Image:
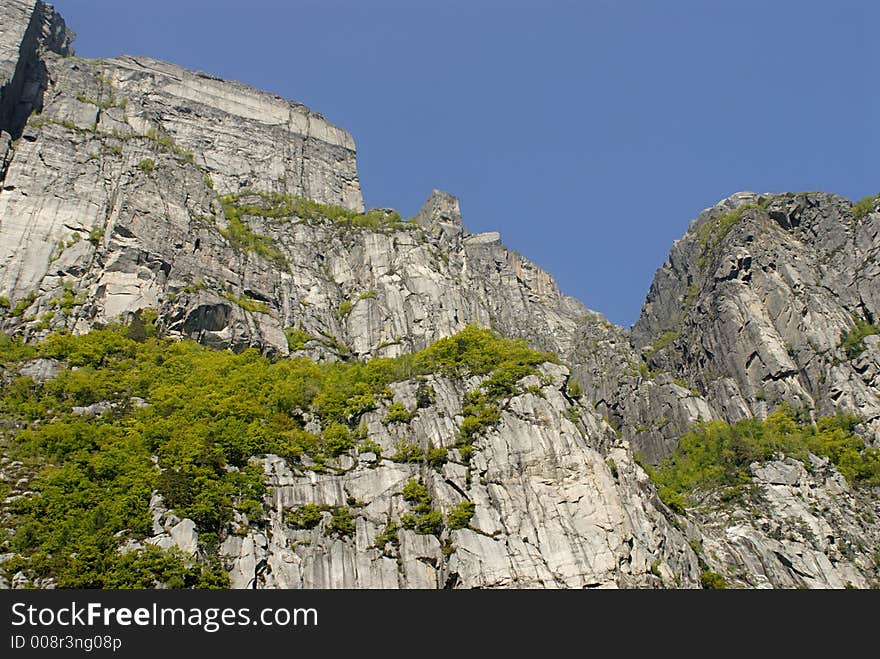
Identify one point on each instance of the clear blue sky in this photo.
(588, 133)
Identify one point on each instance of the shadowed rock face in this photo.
(28, 30)
(131, 183)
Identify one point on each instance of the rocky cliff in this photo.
(131, 184)
(755, 302)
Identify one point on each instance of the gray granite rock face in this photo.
(758, 316)
(139, 153)
(28, 30)
(800, 529)
(650, 407)
(115, 178)
(559, 503)
(114, 191)
(93, 127)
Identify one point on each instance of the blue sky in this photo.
(588, 133)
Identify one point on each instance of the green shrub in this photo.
(341, 523)
(681, 382)
(425, 520)
(479, 414)
(370, 446)
(209, 412)
(194, 287)
(69, 300)
(338, 439)
(344, 404)
(711, 232)
(307, 516)
(716, 455)
(436, 456)
(425, 396)
(150, 319)
(147, 165)
(712, 580)
(297, 338)
(664, 341)
(477, 351)
(460, 515)
(176, 488)
(247, 303)
(243, 238)
(13, 349)
(96, 234)
(865, 205)
(417, 494)
(408, 452)
(853, 341)
(342, 350)
(140, 569)
(574, 389)
(23, 304)
(612, 467)
(397, 414)
(429, 523)
(279, 206)
(388, 536)
(345, 308)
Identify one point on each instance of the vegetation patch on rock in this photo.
(186, 421)
(716, 455)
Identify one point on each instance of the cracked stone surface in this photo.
(550, 510)
(759, 318)
(112, 177)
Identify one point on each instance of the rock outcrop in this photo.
(130, 184)
(29, 30)
(800, 529)
(558, 501)
(754, 304)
